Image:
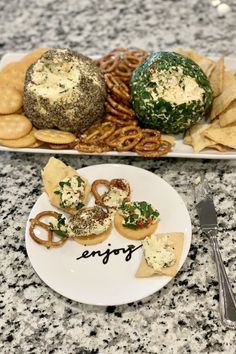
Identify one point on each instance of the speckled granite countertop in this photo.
(183, 317)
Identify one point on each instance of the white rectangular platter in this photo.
(180, 150)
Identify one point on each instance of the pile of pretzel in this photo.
(119, 129)
(117, 67)
(107, 136)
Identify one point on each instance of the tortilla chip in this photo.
(215, 124)
(225, 136)
(187, 138)
(52, 174)
(199, 141)
(228, 117)
(229, 78)
(222, 101)
(218, 147)
(217, 77)
(207, 65)
(144, 270)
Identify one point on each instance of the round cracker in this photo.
(55, 136)
(14, 126)
(59, 146)
(13, 74)
(36, 144)
(131, 234)
(25, 141)
(11, 99)
(93, 239)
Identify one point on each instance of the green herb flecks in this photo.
(61, 222)
(80, 181)
(137, 215)
(63, 183)
(69, 193)
(79, 205)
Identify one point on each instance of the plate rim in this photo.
(137, 298)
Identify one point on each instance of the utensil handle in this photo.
(226, 295)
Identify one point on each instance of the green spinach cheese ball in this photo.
(169, 92)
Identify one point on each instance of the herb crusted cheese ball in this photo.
(169, 92)
(64, 89)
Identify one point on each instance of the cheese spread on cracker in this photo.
(65, 188)
(89, 221)
(158, 252)
(71, 192)
(115, 196)
(137, 215)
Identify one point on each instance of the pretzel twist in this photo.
(148, 150)
(92, 148)
(98, 132)
(125, 139)
(36, 222)
(116, 182)
(119, 121)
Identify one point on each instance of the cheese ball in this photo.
(169, 92)
(64, 89)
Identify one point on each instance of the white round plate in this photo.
(89, 280)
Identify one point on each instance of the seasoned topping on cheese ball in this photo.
(64, 89)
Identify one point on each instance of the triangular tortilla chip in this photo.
(215, 124)
(218, 147)
(229, 78)
(52, 174)
(199, 141)
(217, 77)
(222, 101)
(144, 270)
(187, 138)
(229, 116)
(207, 65)
(225, 136)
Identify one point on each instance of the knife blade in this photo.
(208, 223)
(207, 214)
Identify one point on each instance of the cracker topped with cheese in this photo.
(90, 225)
(66, 189)
(136, 220)
(118, 191)
(161, 254)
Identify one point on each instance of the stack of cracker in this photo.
(16, 130)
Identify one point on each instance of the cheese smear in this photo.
(174, 86)
(58, 79)
(55, 80)
(86, 223)
(138, 214)
(115, 197)
(158, 252)
(71, 191)
(54, 224)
